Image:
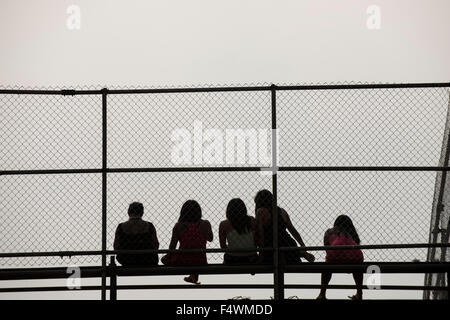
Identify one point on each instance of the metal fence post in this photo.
(113, 279)
(278, 275)
(104, 188)
(435, 229)
(448, 284)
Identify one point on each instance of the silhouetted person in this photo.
(238, 232)
(343, 233)
(192, 233)
(264, 214)
(136, 234)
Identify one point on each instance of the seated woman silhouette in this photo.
(342, 233)
(136, 234)
(263, 206)
(238, 232)
(192, 233)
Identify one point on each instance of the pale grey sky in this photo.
(222, 42)
(177, 43)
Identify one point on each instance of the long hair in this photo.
(190, 212)
(237, 215)
(344, 225)
(264, 199)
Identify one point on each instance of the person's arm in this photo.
(326, 237)
(154, 237)
(291, 228)
(205, 228)
(223, 235)
(259, 228)
(174, 239)
(117, 239)
(254, 230)
(166, 259)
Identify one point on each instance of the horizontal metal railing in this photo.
(219, 250)
(72, 92)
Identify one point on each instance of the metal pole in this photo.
(445, 232)
(448, 284)
(278, 276)
(435, 230)
(113, 280)
(104, 188)
(440, 206)
(229, 89)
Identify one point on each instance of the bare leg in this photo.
(325, 279)
(308, 256)
(359, 285)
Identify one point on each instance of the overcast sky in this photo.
(222, 42)
(183, 43)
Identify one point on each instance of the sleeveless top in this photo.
(350, 255)
(192, 239)
(284, 240)
(240, 241)
(137, 241)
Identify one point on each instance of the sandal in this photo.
(190, 280)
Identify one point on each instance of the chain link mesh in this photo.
(440, 222)
(50, 213)
(385, 207)
(366, 127)
(50, 132)
(142, 126)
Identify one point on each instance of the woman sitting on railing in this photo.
(264, 222)
(343, 233)
(192, 233)
(136, 234)
(238, 232)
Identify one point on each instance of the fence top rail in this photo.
(223, 169)
(72, 92)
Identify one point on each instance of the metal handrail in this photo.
(219, 250)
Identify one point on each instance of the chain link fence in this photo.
(149, 135)
(440, 222)
(367, 127)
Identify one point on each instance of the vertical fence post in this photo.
(113, 280)
(435, 229)
(445, 232)
(104, 188)
(448, 284)
(278, 275)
